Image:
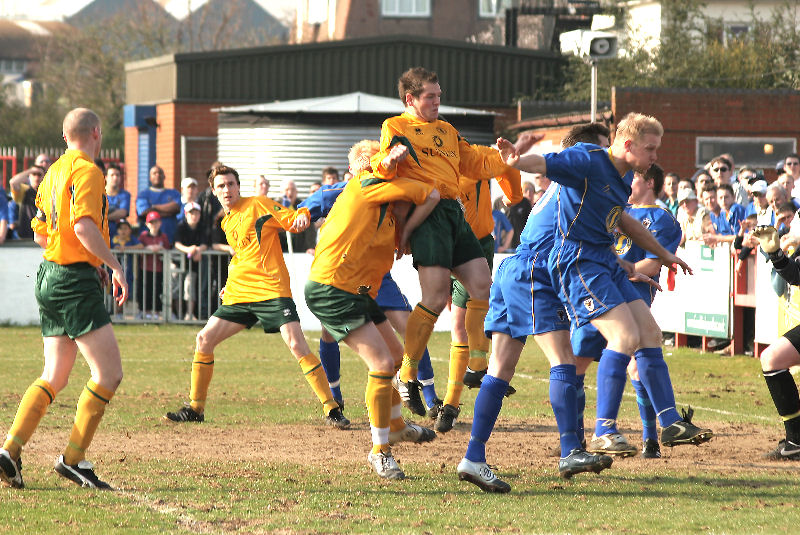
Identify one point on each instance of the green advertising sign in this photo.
(706, 324)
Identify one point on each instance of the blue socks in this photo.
(563, 399)
(487, 407)
(654, 375)
(611, 378)
(425, 377)
(330, 358)
(581, 405)
(646, 412)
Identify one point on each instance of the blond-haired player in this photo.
(257, 291)
(71, 225)
(355, 249)
(592, 286)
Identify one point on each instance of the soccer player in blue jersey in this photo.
(522, 303)
(592, 286)
(588, 343)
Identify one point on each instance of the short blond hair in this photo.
(360, 154)
(79, 123)
(635, 125)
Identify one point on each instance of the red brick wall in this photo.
(177, 119)
(687, 114)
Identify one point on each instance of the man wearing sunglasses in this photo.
(791, 166)
(721, 170)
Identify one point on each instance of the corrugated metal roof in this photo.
(356, 102)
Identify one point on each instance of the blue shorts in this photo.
(522, 300)
(390, 297)
(587, 342)
(589, 280)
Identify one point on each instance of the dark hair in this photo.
(111, 166)
(726, 187)
(412, 81)
(123, 222)
(787, 207)
(792, 155)
(710, 187)
(656, 174)
(101, 164)
(723, 160)
(221, 170)
(585, 133)
(330, 171)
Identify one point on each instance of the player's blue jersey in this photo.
(665, 229)
(594, 194)
(540, 228)
(321, 201)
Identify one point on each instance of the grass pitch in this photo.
(263, 462)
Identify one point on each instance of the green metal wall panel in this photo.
(471, 75)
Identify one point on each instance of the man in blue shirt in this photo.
(588, 343)
(119, 200)
(592, 285)
(157, 198)
(521, 286)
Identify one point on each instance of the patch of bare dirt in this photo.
(515, 444)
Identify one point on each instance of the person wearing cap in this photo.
(690, 216)
(165, 201)
(152, 286)
(191, 239)
(760, 206)
(189, 192)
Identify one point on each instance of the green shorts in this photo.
(445, 238)
(71, 301)
(341, 312)
(272, 313)
(458, 292)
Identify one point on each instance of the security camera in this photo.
(588, 44)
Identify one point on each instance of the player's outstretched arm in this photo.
(770, 243)
(645, 239)
(530, 163)
(90, 237)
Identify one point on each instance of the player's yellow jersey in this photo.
(73, 188)
(257, 271)
(438, 155)
(356, 243)
(476, 196)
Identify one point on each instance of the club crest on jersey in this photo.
(589, 304)
(287, 312)
(646, 222)
(622, 243)
(418, 131)
(612, 219)
(437, 141)
(562, 315)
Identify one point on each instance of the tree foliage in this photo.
(697, 51)
(86, 65)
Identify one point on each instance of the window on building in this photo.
(406, 8)
(493, 8)
(757, 152)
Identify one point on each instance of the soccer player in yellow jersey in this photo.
(443, 243)
(257, 291)
(71, 225)
(355, 249)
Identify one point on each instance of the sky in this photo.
(58, 9)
